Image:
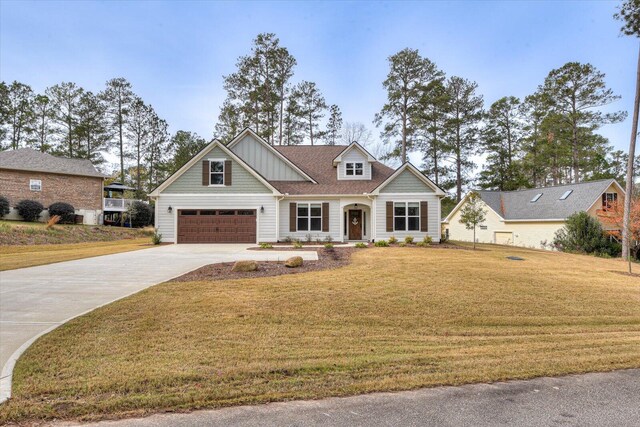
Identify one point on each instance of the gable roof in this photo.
(28, 159)
(195, 159)
(410, 167)
(352, 146)
(317, 162)
(517, 205)
(249, 131)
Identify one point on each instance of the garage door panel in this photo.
(217, 226)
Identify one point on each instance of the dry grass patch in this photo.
(12, 257)
(394, 319)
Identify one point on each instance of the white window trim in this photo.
(308, 217)
(37, 182)
(354, 168)
(223, 170)
(406, 216)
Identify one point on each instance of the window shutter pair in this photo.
(293, 217)
(206, 171)
(424, 216)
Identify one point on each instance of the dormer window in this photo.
(354, 169)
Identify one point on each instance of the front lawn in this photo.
(394, 319)
(12, 257)
(35, 233)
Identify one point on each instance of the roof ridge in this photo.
(543, 188)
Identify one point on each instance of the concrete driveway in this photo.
(36, 300)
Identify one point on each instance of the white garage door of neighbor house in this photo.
(504, 238)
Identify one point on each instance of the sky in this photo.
(176, 53)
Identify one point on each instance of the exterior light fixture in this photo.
(261, 209)
(169, 209)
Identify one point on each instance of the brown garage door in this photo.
(216, 226)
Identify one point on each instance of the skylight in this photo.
(566, 194)
(535, 199)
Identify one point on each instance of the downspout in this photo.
(373, 217)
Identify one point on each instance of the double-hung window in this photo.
(216, 172)
(609, 199)
(354, 169)
(35, 185)
(406, 216)
(309, 216)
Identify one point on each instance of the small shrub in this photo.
(29, 210)
(65, 211)
(402, 244)
(52, 221)
(265, 245)
(427, 240)
(361, 245)
(288, 239)
(393, 240)
(308, 238)
(5, 208)
(408, 240)
(328, 245)
(5, 228)
(444, 238)
(381, 243)
(422, 244)
(328, 239)
(156, 237)
(140, 214)
(297, 244)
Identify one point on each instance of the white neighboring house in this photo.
(530, 218)
(250, 191)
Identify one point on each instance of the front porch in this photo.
(356, 221)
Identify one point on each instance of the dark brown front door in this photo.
(216, 226)
(355, 225)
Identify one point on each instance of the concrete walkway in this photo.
(605, 399)
(36, 300)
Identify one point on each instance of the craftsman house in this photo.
(250, 191)
(530, 218)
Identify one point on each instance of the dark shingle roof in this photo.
(27, 159)
(517, 205)
(317, 162)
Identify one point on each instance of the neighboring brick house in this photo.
(29, 174)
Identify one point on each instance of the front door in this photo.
(355, 225)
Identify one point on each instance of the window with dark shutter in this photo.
(292, 217)
(205, 172)
(325, 217)
(227, 172)
(390, 216)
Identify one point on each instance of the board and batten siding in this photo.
(352, 156)
(242, 180)
(265, 161)
(166, 222)
(334, 220)
(433, 215)
(406, 182)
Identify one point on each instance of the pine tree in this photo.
(65, 100)
(92, 131)
(463, 124)
(118, 97)
(409, 74)
(533, 111)
(42, 125)
(138, 128)
(17, 113)
(575, 91)
(334, 126)
(311, 106)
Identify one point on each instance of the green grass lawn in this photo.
(395, 319)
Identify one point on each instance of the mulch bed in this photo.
(327, 259)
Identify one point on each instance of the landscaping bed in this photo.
(34, 233)
(327, 259)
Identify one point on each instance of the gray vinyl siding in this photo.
(352, 156)
(433, 216)
(265, 161)
(406, 182)
(242, 181)
(334, 220)
(165, 221)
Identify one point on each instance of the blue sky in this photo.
(175, 53)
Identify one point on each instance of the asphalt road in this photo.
(599, 399)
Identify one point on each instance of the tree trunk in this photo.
(626, 238)
(281, 113)
(311, 128)
(474, 237)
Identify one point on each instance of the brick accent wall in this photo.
(83, 192)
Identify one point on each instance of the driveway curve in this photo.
(36, 300)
